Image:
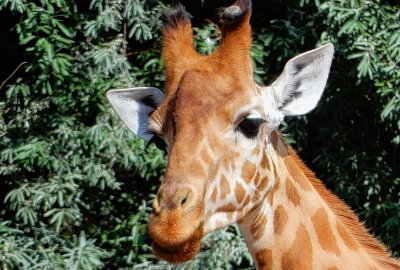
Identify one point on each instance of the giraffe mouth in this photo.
(181, 252)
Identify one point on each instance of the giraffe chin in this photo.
(181, 252)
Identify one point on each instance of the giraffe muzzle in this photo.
(176, 224)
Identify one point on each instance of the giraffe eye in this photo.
(250, 127)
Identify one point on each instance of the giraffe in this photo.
(228, 164)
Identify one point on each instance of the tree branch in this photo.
(12, 74)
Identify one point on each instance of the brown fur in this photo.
(291, 193)
(280, 219)
(178, 45)
(180, 252)
(377, 251)
(324, 232)
(231, 57)
(248, 171)
(300, 254)
(227, 208)
(239, 193)
(263, 183)
(346, 237)
(265, 163)
(275, 188)
(225, 187)
(264, 259)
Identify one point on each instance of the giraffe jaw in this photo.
(181, 252)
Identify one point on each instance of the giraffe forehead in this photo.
(205, 95)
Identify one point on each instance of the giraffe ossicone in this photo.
(227, 163)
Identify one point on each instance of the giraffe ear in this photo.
(134, 106)
(300, 86)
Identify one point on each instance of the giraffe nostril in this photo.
(184, 200)
(173, 198)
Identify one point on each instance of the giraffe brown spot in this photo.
(282, 148)
(214, 195)
(291, 192)
(239, 193)
(263, 184)
(258, 227)
(280, 219)
(204, 156)
(271, 195)
(227, 208)
(324, 232)
(274, 139)
(332, 268)
(346, 237)
(300, 255)
(265, 163)
(225, 188)
(248, 171)
(264, 259)
(255, 197)
(304, 183)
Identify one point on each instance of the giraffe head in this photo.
(217, 125)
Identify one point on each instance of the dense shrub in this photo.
(75, 183)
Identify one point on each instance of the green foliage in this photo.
(65, 159)
(372, 31)
(76, 184)
(370, 34)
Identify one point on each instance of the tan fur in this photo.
(299, 255)
(248, 171)
(291, 193)
(225, 188)
(239, 193)
(324, 232)
(264, 259)
(280, 220)
(211, 175)
(348, 218)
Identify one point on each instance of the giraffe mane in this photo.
(344, 213)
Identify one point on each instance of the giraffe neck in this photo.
(295, 228)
